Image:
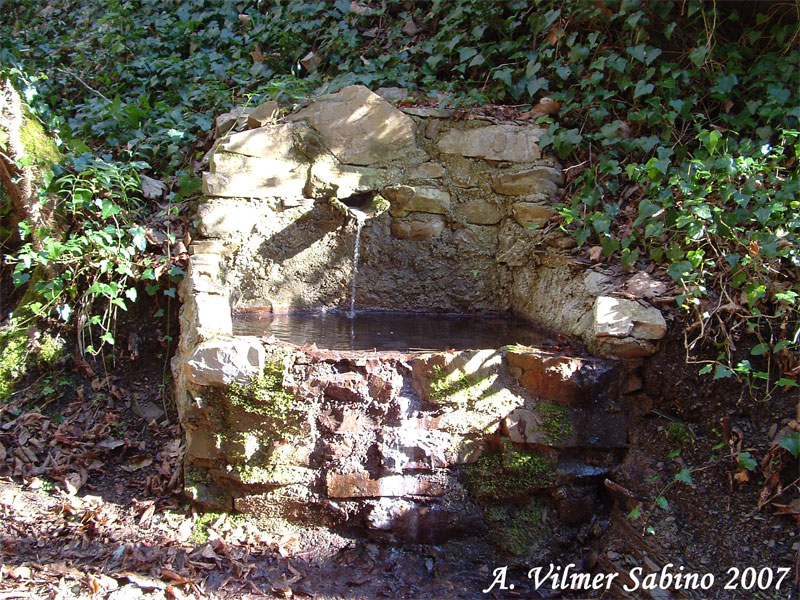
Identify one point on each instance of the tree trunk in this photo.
(21, 135)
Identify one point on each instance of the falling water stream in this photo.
(360, 217)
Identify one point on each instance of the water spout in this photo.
(360, 217)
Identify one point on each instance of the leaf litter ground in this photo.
(92, 506)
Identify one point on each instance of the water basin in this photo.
(390, 331)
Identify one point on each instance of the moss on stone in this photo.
(270, 474)
(38, 145)
(555, 422)
(13, 359)
(455, 387)
(515, 529)
(200, 530)
(509, 474)
(265, 396)
(50, 350)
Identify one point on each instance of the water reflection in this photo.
(333, 330)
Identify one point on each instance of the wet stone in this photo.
(362, 485)
(564, 379)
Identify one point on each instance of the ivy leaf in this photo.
(108, 208)
(745, 461)
(643, 89)
(698, 55)
(503, 75)
(635, 513)
(536, 84)
(662, 502)
(139, 238)
(684, 475)
(679, 270)
(722, 372)
(466, 53)
(759, 349)
(778, 93)
(725, 83)
(791, 443)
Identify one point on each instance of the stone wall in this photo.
(459, 218)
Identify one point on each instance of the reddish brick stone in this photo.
(361, 485)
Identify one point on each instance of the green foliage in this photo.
(745, 461)
(94, 266)
(678, 119)
(680, 434)
(791, 443)
(204, 521)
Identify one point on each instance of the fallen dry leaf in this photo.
(595, 253)
(138, 462)
(546, 106)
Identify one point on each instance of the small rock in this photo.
(480, 212)
(619, 318)
(405, 199)
(392, 94)
(531, 214)
(417, 230)
(311, 61)
(262, 114)
(410, 28)
(643, 285)
(227, 121)
(541, 180)
(428, 170)
(147, 410)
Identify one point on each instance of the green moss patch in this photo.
(515, 529)
(265, 397)
(555, 422)
(509, 474)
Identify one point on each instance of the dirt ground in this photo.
(90, 494)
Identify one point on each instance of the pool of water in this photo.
(390, 331)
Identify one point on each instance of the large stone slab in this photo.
(359, 127)
(561, 426)
(540, 180)
(405, 199)
(222, 361)
(620, 318)
(237, 175)
(272, 141)
(362, 485)
(512, 143)
(218, 219)
(564, 379)
(331, 178)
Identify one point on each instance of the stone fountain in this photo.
(458, 217)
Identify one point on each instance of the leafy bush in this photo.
(92, 268)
